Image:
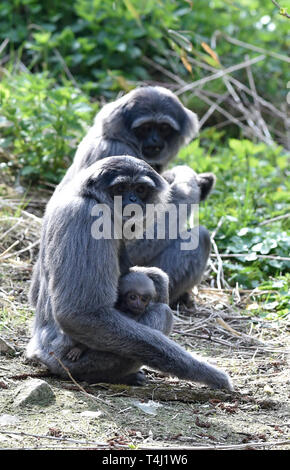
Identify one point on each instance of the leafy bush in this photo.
(41, 124)
(252, 186)
(103, 42)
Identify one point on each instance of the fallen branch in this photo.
(82, 390)
(64, 439)
(247, 130)
(233, 255)
(241, 86)
(32, 245)
(9, 249)
(274, 219)
(257, 110)
(249, 445)
(246, 45)
(234, 332)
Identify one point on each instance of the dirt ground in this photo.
(167, 413)
(177, 414)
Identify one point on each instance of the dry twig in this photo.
(249, 445)
(219, 74)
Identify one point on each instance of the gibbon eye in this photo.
(132, 297)
(165, 129)
(141, 190)
(145, 127)
(144, 299)
(143, 130)
(118, 189)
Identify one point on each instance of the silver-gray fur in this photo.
(151, 282)
(184, 268)
(141, 281)
(114, 129)
(114, 133)
(78, 288)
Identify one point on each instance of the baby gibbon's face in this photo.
(137, 302)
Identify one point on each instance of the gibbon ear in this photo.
(206, 182)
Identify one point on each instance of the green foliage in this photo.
(41, 124)
(103, 42)
(252, 186)
(78, 49)
(276, 300)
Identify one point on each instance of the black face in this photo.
(137, 303)
(153, 137)
(135, 193)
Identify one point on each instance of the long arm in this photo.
(159, 317)
(107, 330)
(86, 313)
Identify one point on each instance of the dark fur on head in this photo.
(138, 282)
(93, 182)
(97, 177)
(206, 182)
(113, 129)
(136, 293)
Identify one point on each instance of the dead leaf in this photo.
(210, 52)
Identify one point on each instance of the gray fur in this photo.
(78, 289)
(158, 314)
(138, 283)
(112, 131)
(112, 134)
(152, 282)
(184, 268)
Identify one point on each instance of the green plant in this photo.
(252, 186)
(103, 42)
(42, 124)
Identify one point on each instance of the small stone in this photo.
(6, 348)
(92, 414)
(268, 390)
(34, 391)
(6, 419)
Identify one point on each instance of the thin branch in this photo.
(163, 70)
(246, 45)
(240, 85)
(220, 222)
(257, 108)
(82, 390)
(249, 445)
(233, 255)
(274, 219)
(9, 249)
(282, 10)
(32, 245)
(247, 130)
(10, 229)
(212, 109)
(220, 274)
(63, 439)
(3, 45)
(247, 113)
(247, 90)
(66, 69)
(219, 74)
